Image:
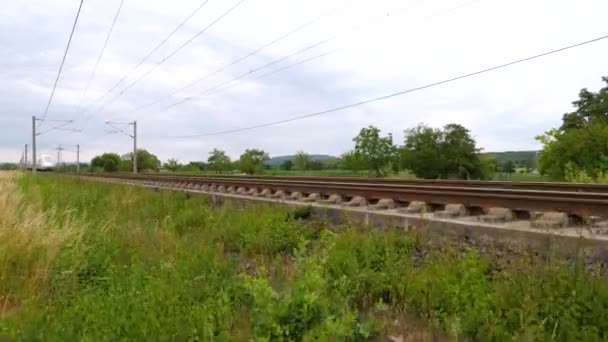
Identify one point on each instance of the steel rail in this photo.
(571, 202)
(337, 182)
(546, 186)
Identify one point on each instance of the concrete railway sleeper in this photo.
(542, 208)
(555, 186)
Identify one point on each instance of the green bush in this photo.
(92, 261)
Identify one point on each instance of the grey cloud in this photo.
(504, 110)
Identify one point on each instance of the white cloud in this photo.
(417, 43)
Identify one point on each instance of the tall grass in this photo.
(92, 261)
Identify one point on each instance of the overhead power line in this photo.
(220, 89)
(62, 62)
(143, 60)
(58, 127)
(272, 72)
(181, 46)
(272, 123)
(189, 98)
(147, 56)
(317, 44)
(226, 66)
(174, 52)
(103, 49)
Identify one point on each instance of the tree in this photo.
(146, 161)
(218, 161)
(450, 152)
(488, 166)
(315, 165)
(287, 165)
(581, 143)
(9, 166)
(508, 167)
(331, 163)
(252, 161)
(582, 149)
(301, 161)
(590, 107)
(352, 160)
(421, 152)
(172, 165)
(108, 162)
(378, 152)
(460, 153)
(194, 166)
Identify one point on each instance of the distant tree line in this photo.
(9, 166)
(112, 162)
(449, 152)
(578, 150)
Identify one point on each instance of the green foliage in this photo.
(218, 161)
(9, 166)
(173, 165)
(487, 166)
(378, 152)
(287, 165)
(108, 162)
(525, 159)
(301, 161)
(109, 262)
(580, 143)
(301, 213)
(252, 161)
(278, 160)
(146, 161)
(508, 167)
(353, 160)
(442, 153)
(573, 174)
(585, 149)
(589, 108)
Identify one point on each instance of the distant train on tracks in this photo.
(44, 163)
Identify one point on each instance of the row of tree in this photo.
(579, 146)
(112, 162)
(449, 152)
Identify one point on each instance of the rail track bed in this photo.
(545, 204)
(490, 230)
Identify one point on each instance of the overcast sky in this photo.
(375, 48)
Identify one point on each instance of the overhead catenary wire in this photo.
(307, 60)
(174, 52)
(182, 46)
(317, 44)
(117, 129)
(46, 110)
(149, 54)
(189, 98)
(103, 49)
(234, 62)
(301, 117)
(58, 127)
(272, 72)
(146, 57)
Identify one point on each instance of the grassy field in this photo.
(95, 262)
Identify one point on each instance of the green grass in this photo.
(92, 261)
(520, 177)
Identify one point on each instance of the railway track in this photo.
(576, 200)
(555, 186)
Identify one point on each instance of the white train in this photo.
(45, 163)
